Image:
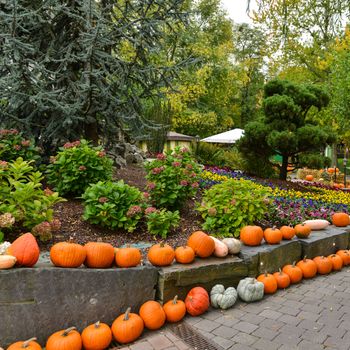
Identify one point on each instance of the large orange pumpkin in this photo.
(66, 254)
(128, 257)
(175, 310)
(29, 344)
(324, 265)
(99, 255)
(340, 219)
(308, 267)
(184, 255)
(337, 262)
(282, 279)
(309, 177)
(197, 301)
(273, 235)
(25, 249)
(251, 235)
(294, 272)
(97, 336)
(65, 339)
(127, 327)
(161, 255)
(201, 243)
(345, 255)
(302, 230)
(152, 314)
(270, 283)
(288, 232)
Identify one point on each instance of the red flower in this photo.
(82, 168)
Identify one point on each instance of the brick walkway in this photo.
(312, 315)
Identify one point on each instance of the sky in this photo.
(237, 9)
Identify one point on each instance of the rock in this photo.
(39, 301)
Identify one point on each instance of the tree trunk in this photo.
(283, 169)
(91, 132)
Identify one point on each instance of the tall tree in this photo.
(80, 68)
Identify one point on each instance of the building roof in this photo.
(175, 136)
(230, 136)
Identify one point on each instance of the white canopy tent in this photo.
(230, 136)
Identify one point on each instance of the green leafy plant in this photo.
(160, 222)
(172, 178)
(23, 202)
(13, 145)
(228, 206)
(113, 205)
(76, 166)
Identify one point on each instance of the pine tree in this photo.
(81, 68)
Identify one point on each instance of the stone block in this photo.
(39, 301)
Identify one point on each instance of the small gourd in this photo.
(234, 245)
(249, 289)
(317, 224)
(7, 261)
(221, 298)
(221, 249)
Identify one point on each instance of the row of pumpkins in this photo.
(24, 251)
(129, 326)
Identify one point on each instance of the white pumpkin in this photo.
(221, 298)
(249, 289)
(7, 261)
(221, 249)
(234, 245)
(3, 247)
(317, 224)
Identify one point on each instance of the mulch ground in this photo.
(70, 213)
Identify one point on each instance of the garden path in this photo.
(314, 314)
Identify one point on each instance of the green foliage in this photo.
(314, 161)
(160, 222)
(172, 178)
(22, 196)
(13, 145)
(285, 129)
(76, 166)
(112, 205)
(229, 206)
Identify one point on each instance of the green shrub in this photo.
(160, 222)
(172, 178)
(22, 200)
(314, 161)
(228, 206)
(76, 166)
(13, 145)
(113, 205)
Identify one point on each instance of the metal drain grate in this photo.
(192, 337)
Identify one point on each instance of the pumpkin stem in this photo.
(175, 300)
(126, 315)
(66, 332)
(293, 263)
(161, 244)
(71, 239)
(97, 324)
(280, 271)
(274, 227)
(304, 258)
(26, 343)
(99, 239)
(265, 273)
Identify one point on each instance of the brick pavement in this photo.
(314, 314)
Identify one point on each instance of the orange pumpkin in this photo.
(152, 314)
(99, 255)
(128, 257)
(197, 301)
(29, 344)
(309, 177)
(97, 336)
(184, 255)
(161, 255)
(251, 235)
(65, 339)
(294, 272)
(340, 219)
(282, 279)
(332, 170)
(337, 262)
(308, 267)
(66, 254)
(201, 243)
(324, 265)
(345, 255)
(302, 230)
(127, 327)
(288, 232)
(273, 235)
(25, 249)
(175, 310)
(270, 283)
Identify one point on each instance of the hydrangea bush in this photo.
(160, 222)
(76, 166)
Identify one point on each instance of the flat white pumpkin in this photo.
(317, 224)
(222, 298)
(3, 247)
(249, 289)
(234, 245)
